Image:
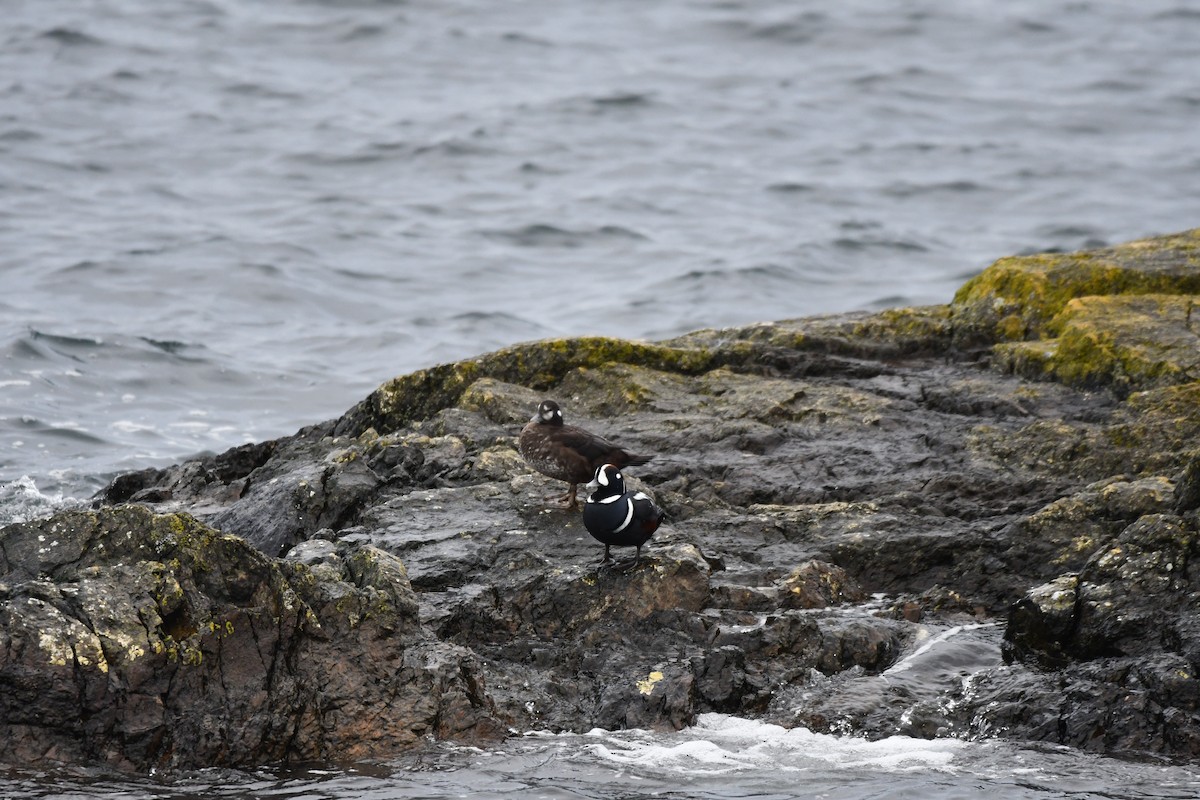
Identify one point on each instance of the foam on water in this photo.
(20, 501)
(719, 744)
(722, 757)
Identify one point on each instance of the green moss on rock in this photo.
(1016, 297)
(537, 365)
(1126, 342)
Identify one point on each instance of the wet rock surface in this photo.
(142, 641)
(876, 524)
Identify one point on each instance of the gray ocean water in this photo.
(221, 220)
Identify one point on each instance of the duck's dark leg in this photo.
(637, 559)
(607, 556)
(568, 499)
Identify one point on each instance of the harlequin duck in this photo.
(615, 516)
(568, 453)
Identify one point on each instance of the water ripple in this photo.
(71, 37)
(544, 235)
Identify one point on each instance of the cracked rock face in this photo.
(854, 505)
(153, 641)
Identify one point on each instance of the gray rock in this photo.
(147, 641)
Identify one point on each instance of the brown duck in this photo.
(567, 453)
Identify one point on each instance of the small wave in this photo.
(544, 235)
(1035, 26)
(258, 90)
(520, 37)
(904, 190)
(489, 317)
(71, 37)
(371, 277)
(365, 31)
(738, 274)
(799, 29)
(891, 301)
(904, 78)
(1116, 85)
(167, 346)
(87, 265)
(868, 243)
(1069, 231)
(19, 135)
(790, 187)
(719, 744)
(20, 501)
(510, 325)
(63, 340)
(70, 431)
(386, 148)
(791, 32)
(606, 103)
(534, 168)
(473, 324)
(453, 147)
(1180, 13)
(128, 426)
(39, 346)
(623, 99)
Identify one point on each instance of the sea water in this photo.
(719, 758)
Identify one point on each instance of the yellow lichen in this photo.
(647, 686)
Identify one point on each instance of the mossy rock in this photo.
(500, 402)
(148, 641)
(536, 365)
(1016, 297)
(496, 382)
(615, 389)
(894, 331)
(1152, 433)
(1126, 342)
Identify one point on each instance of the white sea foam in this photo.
(719, 744)
(21, 501)
(195, 428)
(129, 426)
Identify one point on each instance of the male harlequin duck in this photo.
(615, 516)
(568, 453)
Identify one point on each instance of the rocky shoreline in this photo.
(842, 493)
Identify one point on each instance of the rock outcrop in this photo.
(973, 519)
(143, 641)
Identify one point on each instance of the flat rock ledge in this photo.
(969, 520)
